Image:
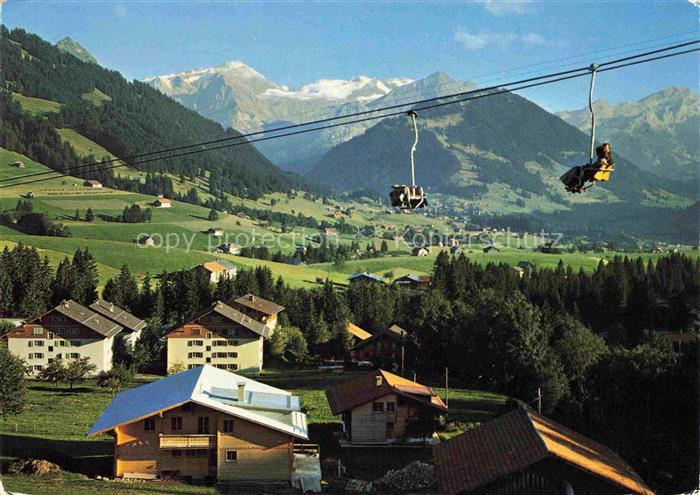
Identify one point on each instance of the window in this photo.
(190, 453)
(233, 342)
(176, 423)
(231, 456)
(377, 407)
(149, 424)
(202, 453)
(195, 343)
(177, 453)
(219, 343)
(37, 367)
(233, 367)
(233, 354)
(190, 366)
(194, 355)
(228, 426)
(203, 425)
(39, 343)
(36, 355)
(58, 356)
(208, 360)
(50, 335)
(197, 331)
(391, 407)
(37, 331)
(73, 355)
(208, 335)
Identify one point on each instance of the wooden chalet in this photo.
(131, 325)
(207, 422)
(162, 202)
(383, 349)
(218, 335)
(414, 281)
(68, 331)
(522, 452)
(259, 309)
(379, 407)
(94, 184)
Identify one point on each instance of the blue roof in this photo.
(210, 387)
(146, 399)
(365, 275)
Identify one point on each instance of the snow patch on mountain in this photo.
(336, 89)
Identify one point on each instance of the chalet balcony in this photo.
(187, 441)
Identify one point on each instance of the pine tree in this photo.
(213, 216)
(65, 283)
(89, 215)
(76, 216)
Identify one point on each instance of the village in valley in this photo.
(212, 283)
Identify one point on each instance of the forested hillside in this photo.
(126, 118)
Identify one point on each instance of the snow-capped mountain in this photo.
(237, 95)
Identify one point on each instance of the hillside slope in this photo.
(127, 118)
(659, 132)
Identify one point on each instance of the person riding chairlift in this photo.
(576, 178)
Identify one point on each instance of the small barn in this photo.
(215, 231)
(18, 164)
(364, 278)
(414, 281)
(146, 240)
(420, 251)
(523, 452)
(383, 349)
(162, 203)
(94, 184)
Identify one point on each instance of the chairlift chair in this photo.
(404, 196)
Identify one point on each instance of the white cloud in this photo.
(505, 7)
(120, 11)
(533, 39)
(477, 41)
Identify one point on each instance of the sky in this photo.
(293, 43)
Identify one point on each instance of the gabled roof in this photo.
(518, 439)
(218, 266)
(358, 332)
(394, 332)
(211, 387)
(368, 387)
(360, 275)
(84, 316)
(118, 315)
(259, 304)
(232, 314)
(419, 279)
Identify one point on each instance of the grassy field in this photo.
(36, 106)
(84, 146)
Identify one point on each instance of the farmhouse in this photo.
(414, 281)
(68, 331)
(380, 407)
(95, 184)
(259, 309)
(215, 231)
(217, 270)
(230, 248)
(162, 202)
(420, 251)
(383, 349)
(218, 335)
(523, 452)
(364, 278)
(18, 164)
(206, 422)
(131, 325)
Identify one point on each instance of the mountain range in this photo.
(659, 132)
(234, 94)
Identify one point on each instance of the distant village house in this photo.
(95, 184)
(217, 270)
(162, 202)
(259, 309)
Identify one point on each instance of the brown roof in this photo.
(230, 313)
(394, 332)
(259, 304)
(518, 439)
(118, 315)
(358, 332)
(348, 395)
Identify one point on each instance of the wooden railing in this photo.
(187, 441)
(307, 448)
